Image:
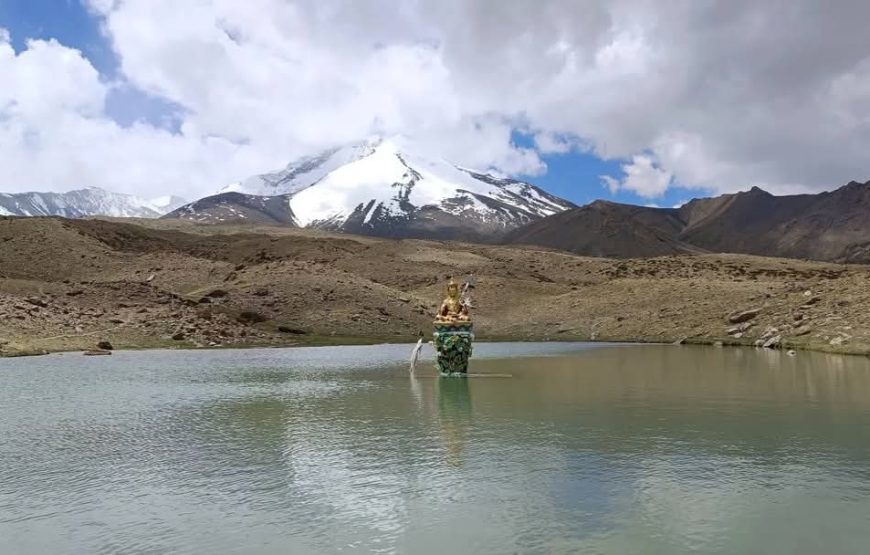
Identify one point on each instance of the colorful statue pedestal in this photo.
(454, 333)
(453, 347)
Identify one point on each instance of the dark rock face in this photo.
(237, 207)
(832, 226)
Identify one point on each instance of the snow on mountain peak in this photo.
(90, 201)
(305, 171)
(391, 178)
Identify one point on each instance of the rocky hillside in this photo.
(827, 226)
(175, 283)
(384, 188)
(238, 207)
(609, 229)
(832, 226)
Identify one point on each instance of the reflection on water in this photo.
(454, 416)
(652, 449)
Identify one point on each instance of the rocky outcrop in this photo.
(744, 316)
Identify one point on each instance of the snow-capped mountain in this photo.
(388, 187)
(86, 202)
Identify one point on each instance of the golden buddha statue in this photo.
(452, 310)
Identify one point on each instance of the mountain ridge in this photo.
(384, 187)
(829, 226)
(82, 203)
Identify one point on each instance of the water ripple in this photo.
(614, 450)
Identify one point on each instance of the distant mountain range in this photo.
(381, 187)
(85, 202)
(393, 188)
(832, 226)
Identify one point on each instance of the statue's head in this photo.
(452, 289)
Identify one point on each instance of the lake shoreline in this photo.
(42, 348)
(139, 287)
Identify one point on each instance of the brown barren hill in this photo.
(827, 226)
(608, 229)
(68, 284)
(831, 226)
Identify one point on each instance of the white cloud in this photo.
(642, 176)
(53, 135)
(47, 80)
(550, 143)
(721, 95)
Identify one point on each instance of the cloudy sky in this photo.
(637, 100)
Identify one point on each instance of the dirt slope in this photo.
(65, 284)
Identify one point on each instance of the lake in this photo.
(583, 449)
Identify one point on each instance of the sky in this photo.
(636, 101)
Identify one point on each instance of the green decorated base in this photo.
(453, 345)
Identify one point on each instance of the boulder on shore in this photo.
(739, 329)
(250, 317)
(744, 316)
(773, 342)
